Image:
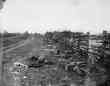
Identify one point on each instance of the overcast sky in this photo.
(50, 15)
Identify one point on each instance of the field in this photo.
(51, 62)
(29, 47)
(8, 42)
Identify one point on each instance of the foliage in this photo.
(74, 48)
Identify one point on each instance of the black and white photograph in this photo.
(54, 42)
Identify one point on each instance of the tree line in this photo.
(87, 61)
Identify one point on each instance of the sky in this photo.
(50, 15)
